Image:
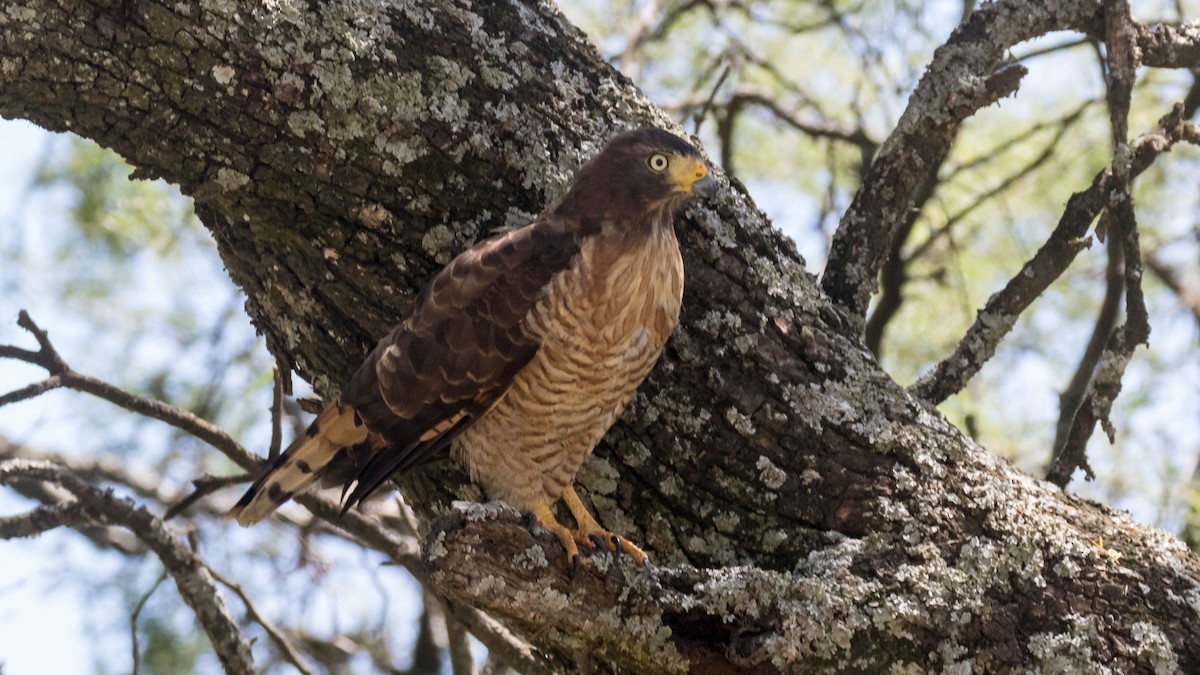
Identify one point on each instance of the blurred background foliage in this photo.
(793, 98)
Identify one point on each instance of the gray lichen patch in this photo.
(1154, 646)
(439, 242)
(770, 475)
(474, 511)
(598, 475)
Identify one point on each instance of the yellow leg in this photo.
(589, 530)
(545, 518)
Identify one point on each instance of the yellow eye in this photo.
(658, 163)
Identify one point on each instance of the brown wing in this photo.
(435, 374)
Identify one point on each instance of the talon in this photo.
(616, 544)
(574, 571)
(596, 540)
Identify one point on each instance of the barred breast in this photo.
(601, 326)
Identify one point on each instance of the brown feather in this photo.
(479, 325)
(302, 464)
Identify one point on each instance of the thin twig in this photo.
(276, 416)
(204, 486)
(29, 391)
(277, 636)
(1000, 313)
(191, 576)
(133, 619)
(48, 358)
(1170, 277)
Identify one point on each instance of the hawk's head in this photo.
(639, 176)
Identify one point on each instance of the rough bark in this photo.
(803, 511)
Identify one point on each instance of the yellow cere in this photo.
(687, 170)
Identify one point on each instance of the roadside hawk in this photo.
(521, 353)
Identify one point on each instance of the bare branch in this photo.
(133, 619)
(276, 415)
(49, 359)
(758, 96)
(42, 519)
(1122, 62)
(277, 636)
(32, 390)
(191, 576)
(404, 551)
(967, 73)
(1001, 311)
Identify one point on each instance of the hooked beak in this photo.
(706, 187)
(692, 177)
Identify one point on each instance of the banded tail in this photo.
(334, 437)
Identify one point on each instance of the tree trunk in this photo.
(802, 511)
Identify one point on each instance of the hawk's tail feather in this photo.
(338, 433)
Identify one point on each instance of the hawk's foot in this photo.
(545, 518)
(590, 535)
